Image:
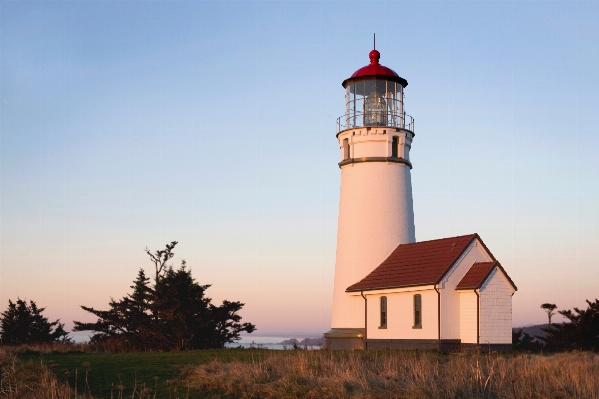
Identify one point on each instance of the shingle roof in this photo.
(420, 263)
(478, 274)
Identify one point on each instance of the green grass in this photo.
(105, 368)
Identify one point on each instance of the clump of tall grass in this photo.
(32, 380)
(394, 374)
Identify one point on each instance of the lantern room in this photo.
(374, 97)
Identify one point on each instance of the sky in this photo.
(131, 124)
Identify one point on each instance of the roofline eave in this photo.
(390, 287)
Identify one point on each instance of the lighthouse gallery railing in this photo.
(359, 113)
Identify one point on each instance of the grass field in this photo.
(108, 371)
(244, 373)
(404, 375)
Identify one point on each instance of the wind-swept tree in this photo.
(549, 308)
(159, 258)
(24, 323)
(172, 314)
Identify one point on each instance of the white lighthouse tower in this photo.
(375, 207)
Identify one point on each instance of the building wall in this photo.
(375, 216)
(375, 142)
(496, 310)
(468, 317)
(400, 315)
(450, 298)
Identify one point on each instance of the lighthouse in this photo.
(375, 207)
(391, 292)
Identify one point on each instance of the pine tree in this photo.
(129, 321)
(24, 323)
(173, 314)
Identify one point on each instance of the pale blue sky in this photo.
(132, 124)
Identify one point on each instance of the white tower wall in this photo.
(375, 211)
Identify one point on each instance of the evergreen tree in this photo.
(24, 323)
(581, 333)
(129, 321)
(173, 314)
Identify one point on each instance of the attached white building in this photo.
(446, 294)
(391, 291)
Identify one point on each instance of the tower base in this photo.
(353, 339)
(344, 339)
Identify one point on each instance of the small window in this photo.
(383, 312)
(345, 148)
(417, 311)
(395, 147)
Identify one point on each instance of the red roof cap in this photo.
(420, 263)
(374, 56)
(375, 69)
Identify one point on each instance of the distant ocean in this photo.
(80, 336)
(246, 341)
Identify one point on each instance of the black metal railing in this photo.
(375, 119)
(374, 111)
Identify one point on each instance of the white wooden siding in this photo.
(400, 315)
(468, 304)
(450, 298)
(496, 310)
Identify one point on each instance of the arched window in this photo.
(417, 311)
(383, 312)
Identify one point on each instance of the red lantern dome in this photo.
(374, 98)
(375, 71)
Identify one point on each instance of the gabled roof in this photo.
(479, 273)
(420, 263)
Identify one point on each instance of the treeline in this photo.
(170, 313)
(580, 332)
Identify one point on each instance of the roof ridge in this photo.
(437, 239)
(458, 256)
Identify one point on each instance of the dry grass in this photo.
(325, 374)
(31, 380)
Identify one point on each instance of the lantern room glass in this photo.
(374, 102)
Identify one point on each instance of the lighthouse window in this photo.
(417, 311)
(383, 312)
(345, 148)
(395, 147)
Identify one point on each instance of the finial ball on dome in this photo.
(375, 56)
